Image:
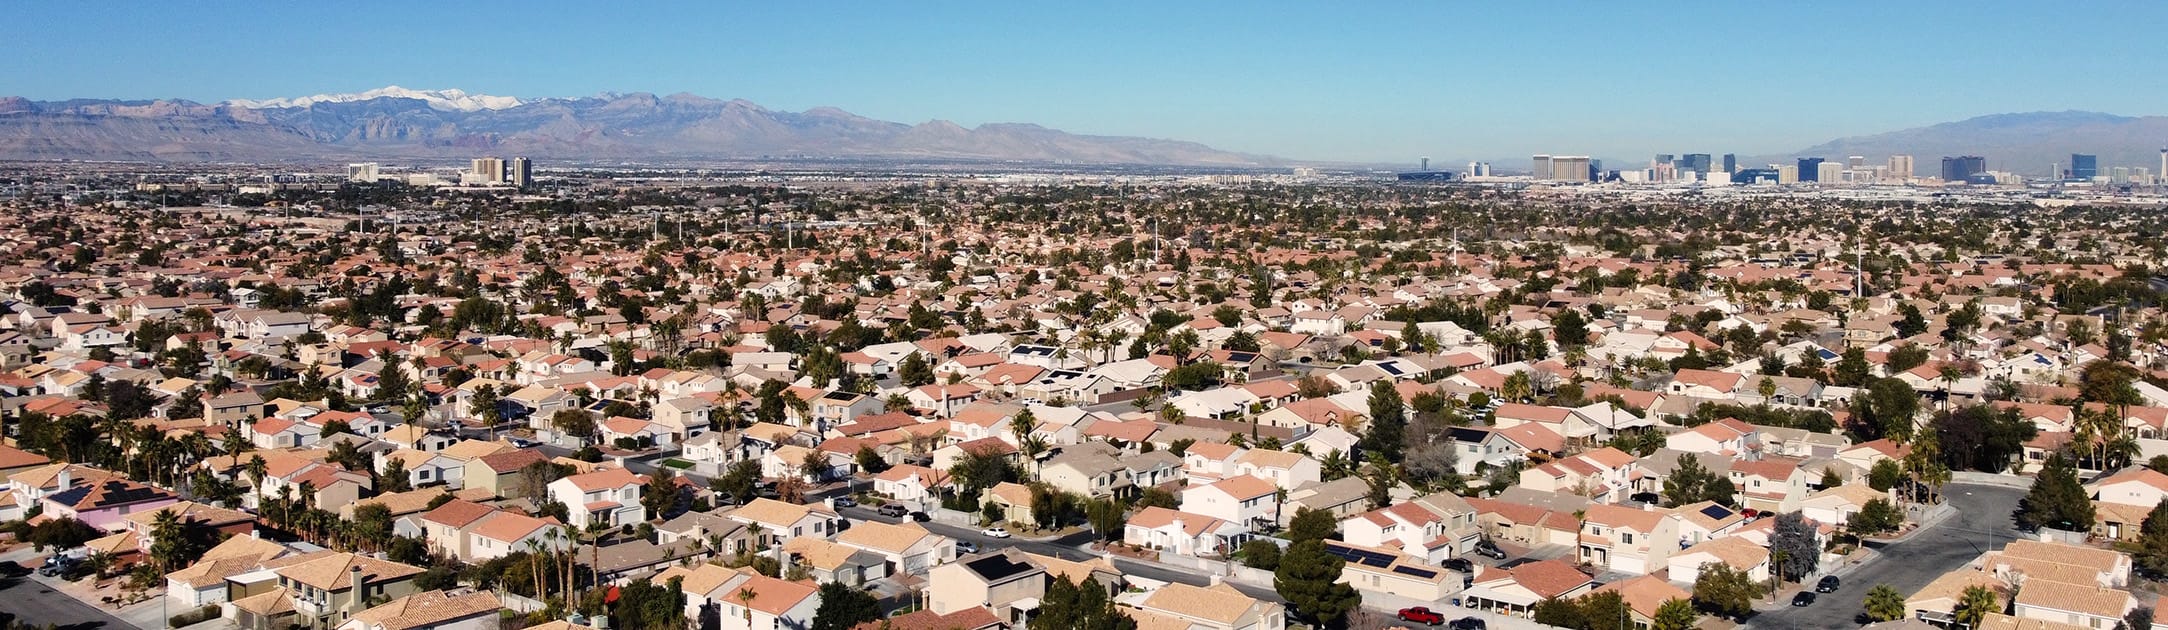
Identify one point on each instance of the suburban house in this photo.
(610, 496)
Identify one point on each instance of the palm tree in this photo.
(234, 444)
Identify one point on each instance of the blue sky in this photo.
(1323, 81)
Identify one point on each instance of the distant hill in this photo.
(2024, 143)
(394, 123)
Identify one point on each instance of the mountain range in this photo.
(2026, 143)
(398, 123)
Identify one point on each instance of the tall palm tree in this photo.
(234, 444)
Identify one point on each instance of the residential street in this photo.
(27, 600)
(1983, 515)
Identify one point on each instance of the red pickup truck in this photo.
(1421, 615)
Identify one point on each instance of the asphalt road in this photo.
(1982, 522)
(25, 600)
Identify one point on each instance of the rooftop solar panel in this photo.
(1716, 511)
(1421, 573)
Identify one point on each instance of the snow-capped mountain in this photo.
(446, 100)
(397, 123)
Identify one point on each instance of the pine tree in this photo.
(2152, 556)
(1308, 578)
(2056, 499)
(843, 607)
(1072, 606)
(1388, 422)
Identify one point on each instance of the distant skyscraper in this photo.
(1731, 163)
(1829, 173)
(2084, 166)
(1962, 168)
(1900, 166)
(365, 172)
(487, 170)
(1809, 168)
(1661, 158)
(1787, 173)
(1570, 168)
(1426, 164)
(519, 172)
(1696, 162)
(1541, 168)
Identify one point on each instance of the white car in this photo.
(994, 532)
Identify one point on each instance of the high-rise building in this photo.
(519, 172)
(1696, 162)
(2084, 166)
(1829, 173)
(1541, 168)
(1809, 168)
(365, 172)
(1731, 163)
(1570, 168)
(1961, 168)
(487, 170)
(1900, 166)
(1855, 162)
(1787, 173)
(1661, 158)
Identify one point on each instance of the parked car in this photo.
(844, 502)
(1804, 598)
(920, 517)
(1459, 564)
(1488, 550)
(57, 565)
(996, 531)
(1467, 623)
(965, 546)
(1828, 584)
(1421, 615)
(893, 509)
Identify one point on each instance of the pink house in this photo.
(105, 504)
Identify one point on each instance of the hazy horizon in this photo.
(1373, 83)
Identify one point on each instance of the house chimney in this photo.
(359, 584)
(66, 476)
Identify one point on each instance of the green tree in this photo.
(1877, 516)
(1885, 474)
(2056, 499)
(741, 481)
(660, 494)
(1975, 604)
(1884, 603)
(1309, 578)
(843, 607)
(1561, 613)
(1852, 369)
(870, 461)
(1312, 524)
(1072, 606)
(394, 478)
(2152, 555)
(1725, 590)
(1569, 328)
(1261, 554)
(1388, 422)
(1690, 482)
(915, 371)
(1604, 610)
(1676, 614)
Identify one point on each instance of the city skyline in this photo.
(1298, 82)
